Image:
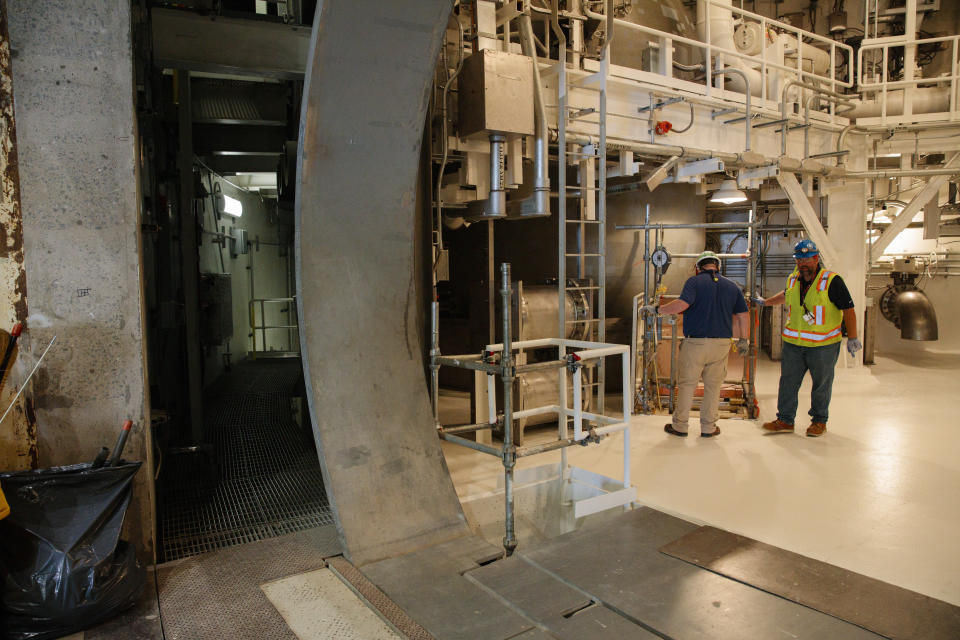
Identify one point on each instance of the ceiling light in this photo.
(728, 193)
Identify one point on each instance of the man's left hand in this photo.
(649, 308)
(853, 345)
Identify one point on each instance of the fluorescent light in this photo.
(728, 193)
(231, 206)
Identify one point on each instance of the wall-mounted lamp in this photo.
(229, 206)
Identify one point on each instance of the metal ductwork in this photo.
(907, 307)
(918, 320)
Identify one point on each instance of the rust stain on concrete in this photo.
(18, 434)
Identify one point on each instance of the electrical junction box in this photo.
(238, 242)
(496, 94)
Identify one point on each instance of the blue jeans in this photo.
(794, 363)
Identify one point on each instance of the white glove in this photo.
(743, 347)
(757, 300)
(649, 309)
(853, 345)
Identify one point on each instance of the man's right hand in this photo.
(649, 309)
(743, 347)
(757, 300)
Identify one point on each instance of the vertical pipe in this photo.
(561, 166)
(491, 398)
(497, 202)
(601, 310)
(625, 362)
(434, 367)
(491, 287)
(541, 170)
(190, 258)
(646, 300)
(577, 403)
(509, 450)
(674, 343)
(751, 277)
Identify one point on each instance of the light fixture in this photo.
(230, 206)
(728, 193)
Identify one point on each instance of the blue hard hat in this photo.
(805, 249)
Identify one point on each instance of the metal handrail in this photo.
(883, 85)
(761, 60)
(262, 328)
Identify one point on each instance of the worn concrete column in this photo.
(18, 434)
(77, 142)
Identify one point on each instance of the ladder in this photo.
(582, 228)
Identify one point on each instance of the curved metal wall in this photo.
(365, 101)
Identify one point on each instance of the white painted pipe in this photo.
(590, 354)
(577, 405)
(627, 399)
(924, 99)
(491, 399)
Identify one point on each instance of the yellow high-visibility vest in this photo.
(825, 328)
(4, 507)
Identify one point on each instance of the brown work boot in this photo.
(777, 426)
(816, 429)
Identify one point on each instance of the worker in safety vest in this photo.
(819, 306)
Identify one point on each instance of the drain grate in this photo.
(263, 478)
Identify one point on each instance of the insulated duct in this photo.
(924, 100)
(918, 320)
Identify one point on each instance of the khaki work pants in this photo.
(706, 357)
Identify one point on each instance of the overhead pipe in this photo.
(541, 179)
(904, 173)
(850, 128)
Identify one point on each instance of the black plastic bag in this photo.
(62, 565)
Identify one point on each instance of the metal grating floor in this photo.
(263, 478)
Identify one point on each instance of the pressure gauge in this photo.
(660, 258)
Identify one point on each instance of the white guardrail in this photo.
(939, 91)
(762, 62)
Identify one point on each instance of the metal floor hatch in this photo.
(263, 476)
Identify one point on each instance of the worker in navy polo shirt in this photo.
(714, 311)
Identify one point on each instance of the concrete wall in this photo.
(270, 264)
(73, 74)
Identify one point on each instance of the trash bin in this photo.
(63, 567)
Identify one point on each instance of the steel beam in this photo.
(807, 216)
(900, 223)
(186, 40)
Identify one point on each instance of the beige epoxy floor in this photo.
(879, 494)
